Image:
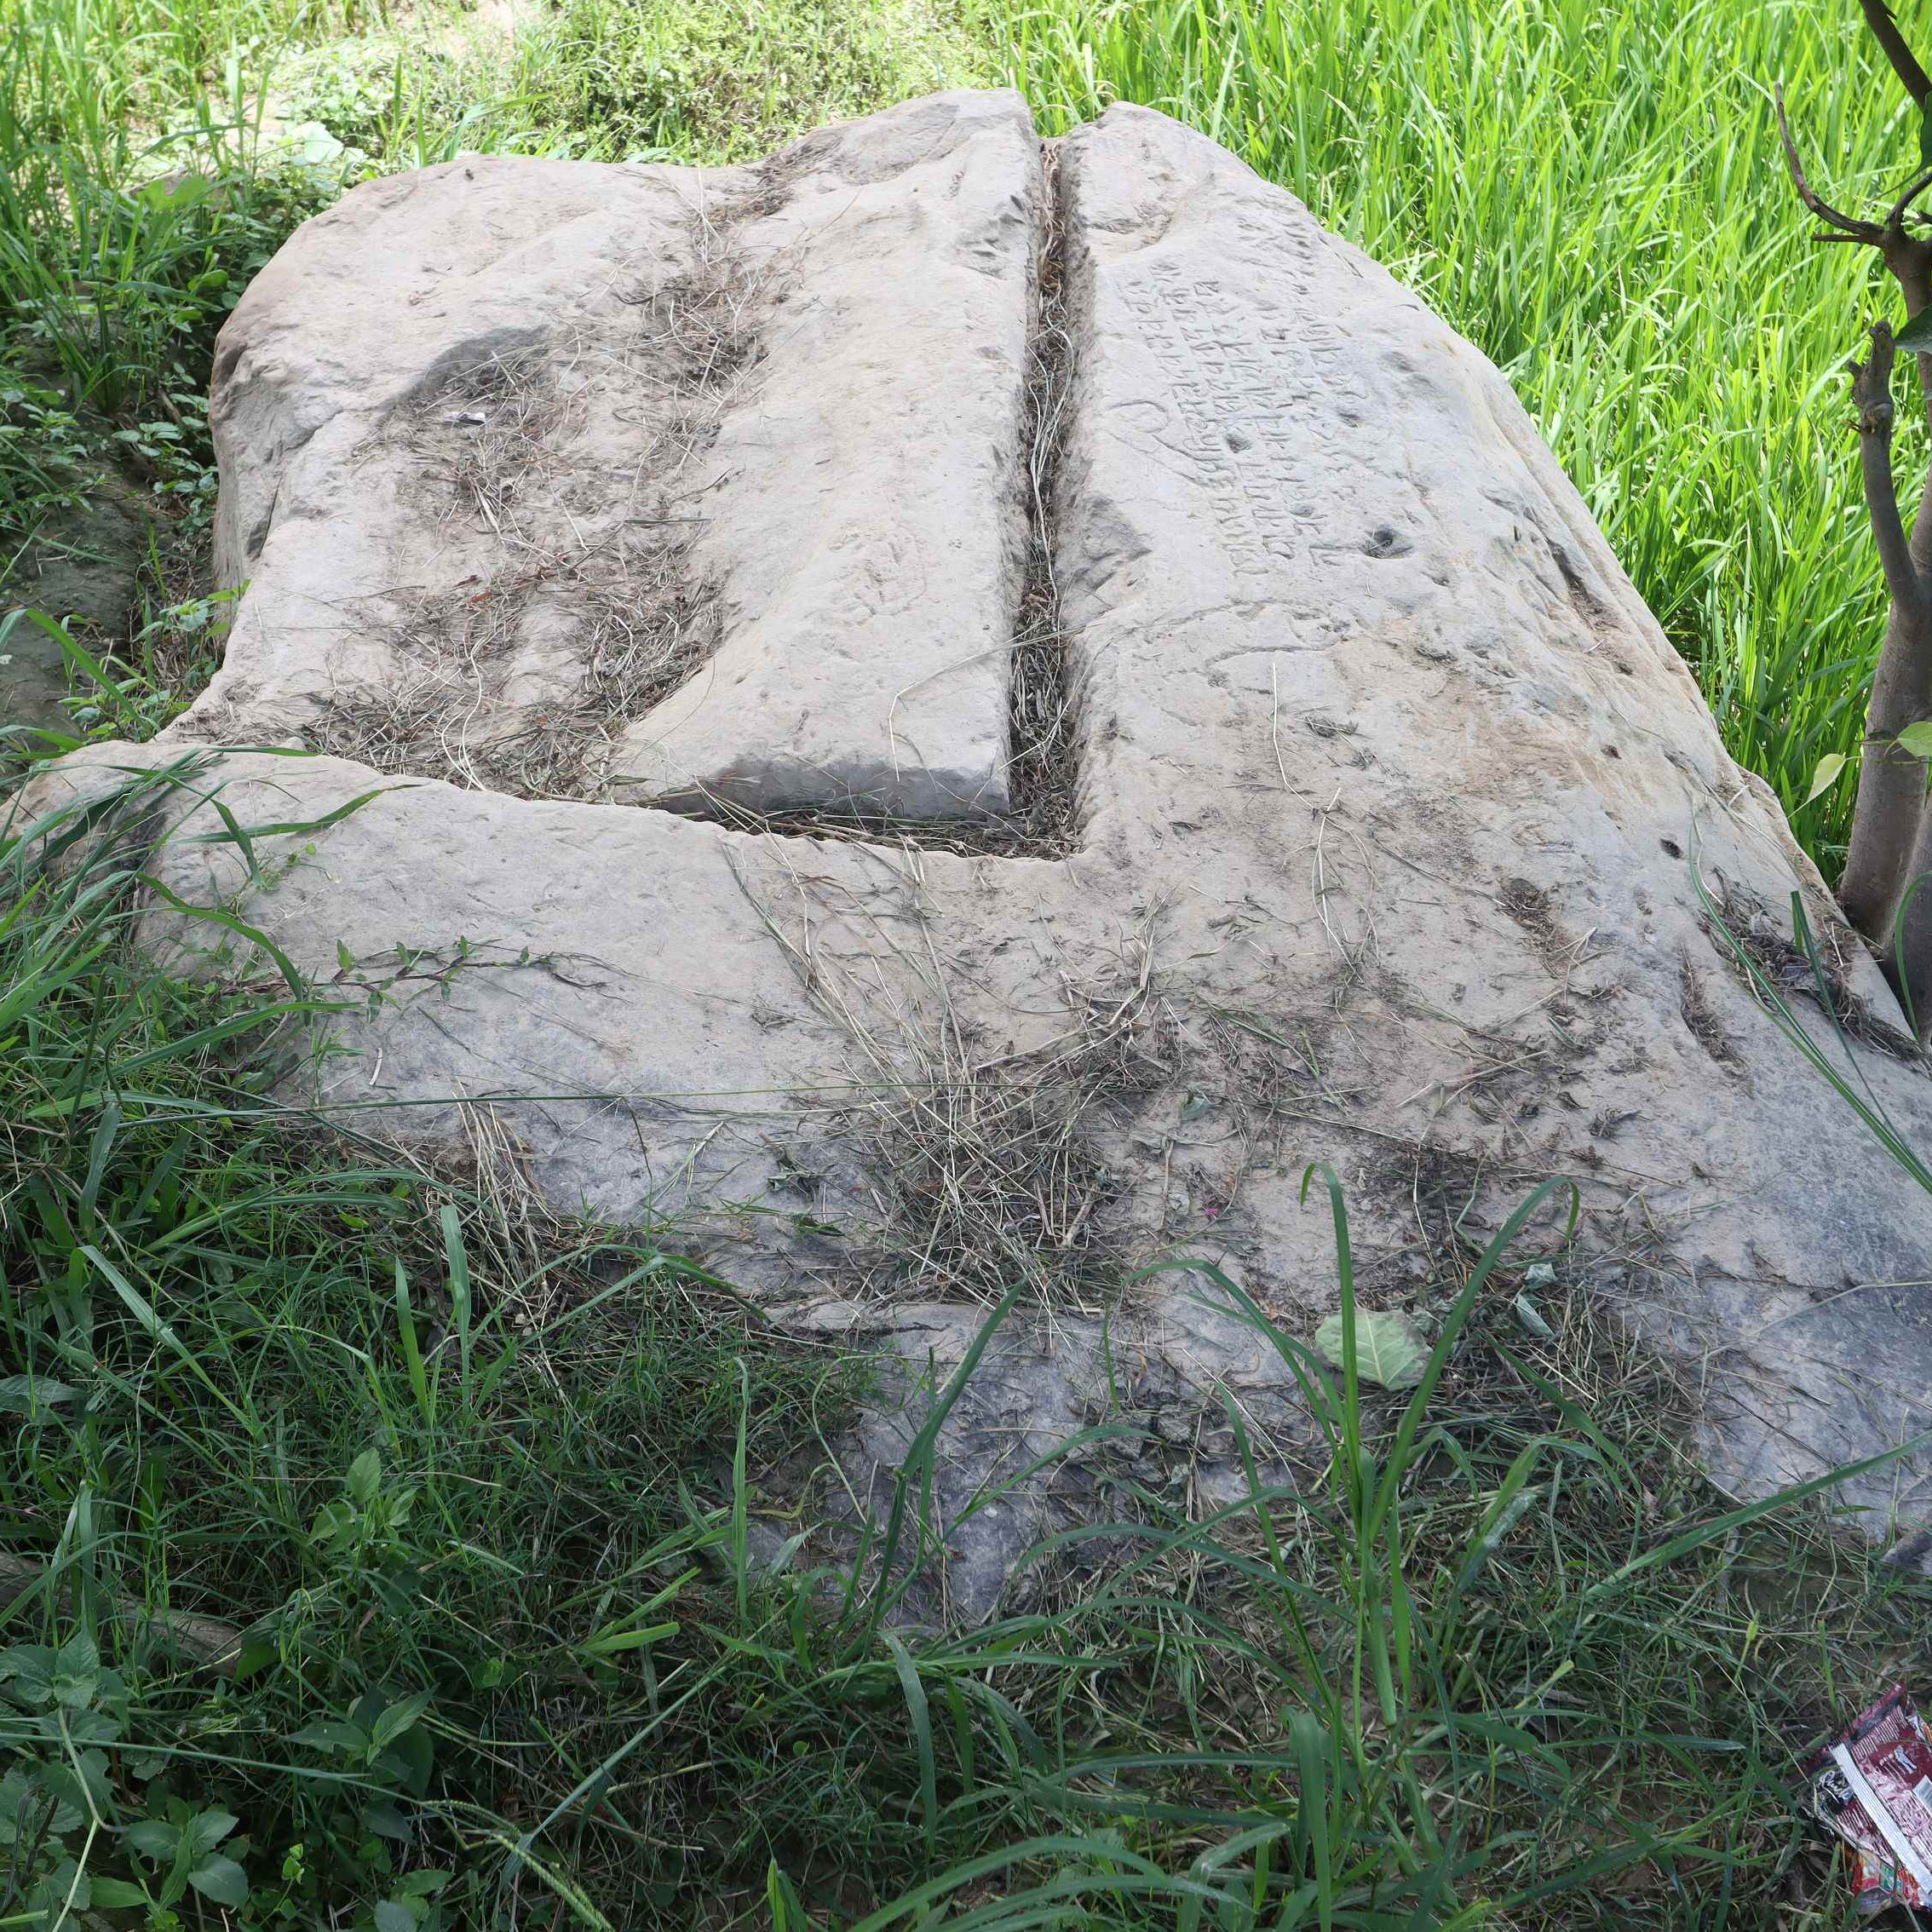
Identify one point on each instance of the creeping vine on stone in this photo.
(1886, 888)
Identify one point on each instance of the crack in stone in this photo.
(1043, 745)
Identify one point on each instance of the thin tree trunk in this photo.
(1891, 838)
(1908, 938)
(1891, 782)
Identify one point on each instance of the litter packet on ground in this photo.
(1872, 1786)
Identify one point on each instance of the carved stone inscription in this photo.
(1240, 419)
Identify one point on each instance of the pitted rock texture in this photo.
(567, 494)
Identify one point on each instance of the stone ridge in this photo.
(866, 524)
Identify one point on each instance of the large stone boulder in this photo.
(948, 710)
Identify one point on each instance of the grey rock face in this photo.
(1259, 755)
(546, 477)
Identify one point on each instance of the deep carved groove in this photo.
(1041, 730)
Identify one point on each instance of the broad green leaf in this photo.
(153, 1837)
(335, 1522)
(97, 1727)
(23, 1802)
(117, 1893)
(258, 1651)
(364, 1474)
(383, 1818)
(16, 1796)
(221, 1880)
(1917, 739)
(332, 1734)
(34, 1396)
(31, 1665)
(80, 1780)
(392, 1915)
(174, 194)
(79, 1656)
(64, 1891)
(313, 145)
(1916, 335)
(398, 1718)
(411, 1757)
(210, 1827)
(69, 1675)
(1530, 1318)
(1389, 1349)
(1830, 767)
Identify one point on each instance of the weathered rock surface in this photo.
(643, 483)
(566, 492)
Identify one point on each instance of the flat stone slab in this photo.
(1265, 759)
(863, 660)
(644, 484)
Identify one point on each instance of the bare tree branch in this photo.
(1871, 390)
(1891, 833)
(1853, 230)
(1895, 219)
(1905, 63)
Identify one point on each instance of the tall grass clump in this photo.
(1596, 196)
(153, 155)
(131, 218)
(453, 1469)
(378, 1548)
(128, 221)
(708, 81)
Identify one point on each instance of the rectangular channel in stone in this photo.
(865, 528)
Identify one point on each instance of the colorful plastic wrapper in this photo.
(1872, 1786)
